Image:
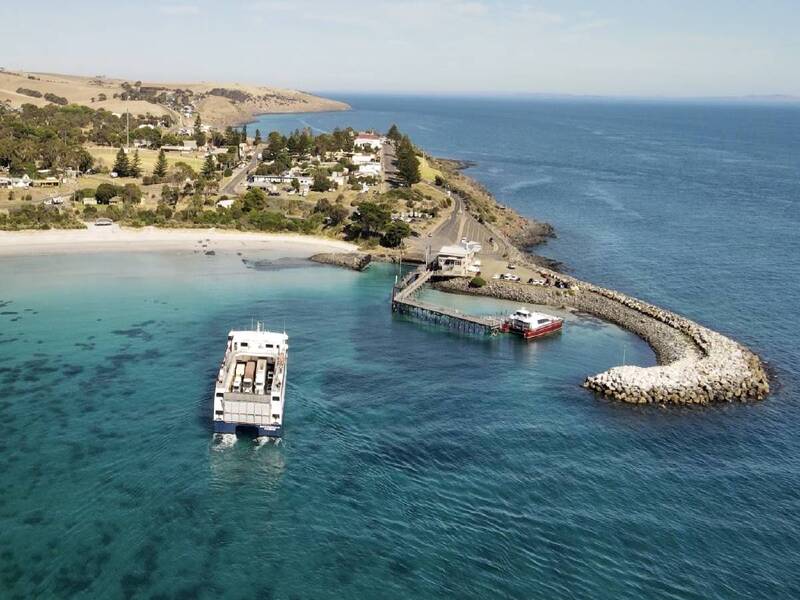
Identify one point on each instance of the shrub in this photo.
(60, 100)
(477, 282)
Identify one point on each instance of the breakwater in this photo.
(696, 365)
(349, 260)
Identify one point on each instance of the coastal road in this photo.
(447, 232)
(388, 157)
(460, 224)
(229, 189)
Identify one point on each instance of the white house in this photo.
(373, 140)
(267, 181)
(225, 203)
(16, 182)
(458, 260)
(372, 169)
(338, 178)
(361, 159)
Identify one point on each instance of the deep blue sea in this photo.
(419, 463)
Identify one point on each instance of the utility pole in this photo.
(127, 125)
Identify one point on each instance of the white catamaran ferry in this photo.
(251, 384)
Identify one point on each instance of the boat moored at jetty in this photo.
(530, 325)
(250, 389)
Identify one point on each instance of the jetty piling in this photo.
(405, 302)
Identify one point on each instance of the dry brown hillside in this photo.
(219, 104)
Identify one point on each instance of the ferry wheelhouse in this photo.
(251, 384)
(530, 325)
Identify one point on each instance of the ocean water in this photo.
(419, 463)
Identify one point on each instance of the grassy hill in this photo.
(219, 104)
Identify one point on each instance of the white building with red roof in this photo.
(373, 140)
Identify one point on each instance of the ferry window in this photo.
(244, 344)
(276, 398)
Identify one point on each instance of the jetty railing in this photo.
(405, 302)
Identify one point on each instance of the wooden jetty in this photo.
(404, 302)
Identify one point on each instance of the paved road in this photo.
(460, 224)
(388, 156)
(229, 189)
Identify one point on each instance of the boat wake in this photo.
(222, 441)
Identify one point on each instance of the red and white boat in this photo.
(530, 325)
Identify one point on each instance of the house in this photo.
(372, 169)
(225, 203)
(268, 181)
(361, 159)
(182, 148)
(458, 260)
(47, 182)
(339, 178)
(21, 182)
(373, 140)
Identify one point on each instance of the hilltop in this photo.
(220, 104)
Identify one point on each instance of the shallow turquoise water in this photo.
(415, 461)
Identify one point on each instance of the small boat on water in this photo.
(251, 384)
(530, 325)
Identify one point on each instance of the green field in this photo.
(426, 171)
(106, 156)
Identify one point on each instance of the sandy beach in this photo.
(115, 238)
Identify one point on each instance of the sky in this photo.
(651, 48)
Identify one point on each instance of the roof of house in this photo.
(455, 250)
(368, 136)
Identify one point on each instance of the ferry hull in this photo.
(530, 334)
(268, 431)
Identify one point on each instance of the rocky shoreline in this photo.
(696, 365)
(357, 261)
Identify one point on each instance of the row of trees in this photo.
(125, 167)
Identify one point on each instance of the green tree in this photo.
(276, 144)
(337, 214)
(394, 234)
(131, 194)
(136, 166)
(208, 167)
(254, 200)
(244, 133)
(321, 183)
(121, 165)
(407, 162)
(257, 138)
(369, 219)
(160, 169)
(198, 126)
(104, 192)
(169, 195)
(394, 133)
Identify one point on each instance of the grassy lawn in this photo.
(426, 171)
(148, 158)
